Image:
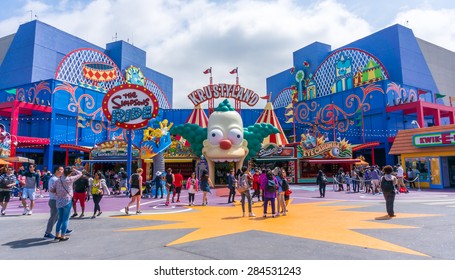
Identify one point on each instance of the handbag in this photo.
(288, 192)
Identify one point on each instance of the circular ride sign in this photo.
(130, 106)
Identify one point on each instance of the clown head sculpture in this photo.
(225, 142)
(225, 139)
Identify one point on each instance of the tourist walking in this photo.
(63, 190)
(321, 181)
(232, 183)
(136, 191)
(7, 182)
(388, 185)
(178, 183)
(158, 184)
(256, 188)
(244, 185)
(32, 182)
(283, 186)
(98, 189)
(192, 185)
(81, 192)
(205, 184)
(269, 186)
(170, 179)
(53, 217)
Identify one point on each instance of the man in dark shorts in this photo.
(170, 179)
(81, 190)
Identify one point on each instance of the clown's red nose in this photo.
(225, 144)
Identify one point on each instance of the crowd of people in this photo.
(367, 179)
(68, 187)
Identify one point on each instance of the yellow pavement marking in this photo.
(321, 221)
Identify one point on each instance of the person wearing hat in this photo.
(158, 184)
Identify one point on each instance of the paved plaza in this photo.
(338, 227)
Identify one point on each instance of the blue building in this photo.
(52, 84)
(365, 92)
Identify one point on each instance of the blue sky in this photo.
(183, 38)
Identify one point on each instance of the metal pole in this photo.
(129, 157)
(418, 182)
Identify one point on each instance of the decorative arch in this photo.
(325, 75)
(86, 66)
(283, 99)
(163, 102)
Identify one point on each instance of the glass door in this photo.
(435, 173)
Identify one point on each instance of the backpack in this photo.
(387, 185)
(242, 184)
(271, 186)
(324, 179)
(284, 185)
(135, 180)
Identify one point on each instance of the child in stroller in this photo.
(116, 188)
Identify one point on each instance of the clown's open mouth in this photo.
(226, 159)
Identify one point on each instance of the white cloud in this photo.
(435, 26)
(183, 38)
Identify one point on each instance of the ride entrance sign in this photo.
(130, 106)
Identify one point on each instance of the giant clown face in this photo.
(225, 141)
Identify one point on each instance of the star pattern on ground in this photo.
(322, 221)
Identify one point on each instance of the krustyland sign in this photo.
(224, 91)
(130, 106)
(446, 138)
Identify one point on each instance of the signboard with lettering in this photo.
(275, 151)
(224, 91)
(446, 138)
(313, 147)
(112, 149)
(130, 106)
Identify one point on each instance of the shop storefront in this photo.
(272, 155)
(429, 152)
(316, 154)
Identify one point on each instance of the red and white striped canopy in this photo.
(198, 117)
(268, 116)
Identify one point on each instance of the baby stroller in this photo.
(148, 189)
(116, 188)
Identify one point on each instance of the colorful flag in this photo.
(11, 91)
(438, 95)
(208, 71)
(266, 96)
(234, 71)
(421, 91)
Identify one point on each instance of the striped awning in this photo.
(268, 116)
(198, 117)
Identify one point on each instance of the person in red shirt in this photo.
(178, 183)
(256, 188)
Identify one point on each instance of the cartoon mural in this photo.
(312, 146)
(156, 140)
(225, 139)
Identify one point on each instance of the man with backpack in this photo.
(81, 193)
(388, 185)
(7, 182)
(244, 186)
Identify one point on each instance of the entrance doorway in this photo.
(221, 171)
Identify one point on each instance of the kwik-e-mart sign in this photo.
(445, 138)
